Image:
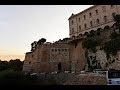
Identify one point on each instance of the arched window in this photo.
(113, 14)
(90, 14)
(72, 22)
(97, 21)
(79, 28)
(105, 18)
(85, 25)
(96, 12)
(84, 17)
(104, 9)
(91, 24)
(72, 30)
(79, 19)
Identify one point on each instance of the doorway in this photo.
(59, 67)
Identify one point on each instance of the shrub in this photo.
(89, 43)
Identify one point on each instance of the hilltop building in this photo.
(68, 54)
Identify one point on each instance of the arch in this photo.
(114, 25)
(113, 14)
(80, 35)
(105, 18)
(91, 23)
(97, 21)
(99, 29)
(59, 67)
(106, 27)
(85, 25)
(92, 33)
(73, 37)
(86, 33)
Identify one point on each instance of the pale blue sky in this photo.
(20, 25)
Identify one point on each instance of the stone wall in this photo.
(87, 79)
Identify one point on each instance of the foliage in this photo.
(92, 33)
(89, 44)
(11, 77)
(114, 35)
(111, 47)
(116, 18)
(15, 65)
(43, 40)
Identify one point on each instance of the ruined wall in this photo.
(27, 62)
(47, 57)
(77, 55)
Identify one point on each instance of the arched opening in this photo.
(73, 37)
(106, 27)
(86, 33)
(113, 26)
(92, 33)
(99, 29)
(59, 67)
(80, 35)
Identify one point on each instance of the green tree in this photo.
(114, 35)
(116, 18)
(89, 43)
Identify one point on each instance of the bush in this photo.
(114, 35)
(13, 77)
(111, 47)
(89, 43)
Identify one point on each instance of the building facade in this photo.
(55, 57)
(93, 18)
(68, 54)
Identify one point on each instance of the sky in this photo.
(20, 25)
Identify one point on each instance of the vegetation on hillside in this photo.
(15, 65)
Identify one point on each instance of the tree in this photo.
(33, 45)
(89, 43)
(15, 65)
(116, 18)
(43, 40)
(114, 35)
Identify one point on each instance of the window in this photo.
(91, 24)
(65, 50)
(104, 9)
(111, 6)
(58, 49)
(113, 14)
(79, 28)
(85, 25)
(79, 19)
(32, 55)
(90, 14)
(105, 18)
(96, 11)
(55, 49)
(84, 17)
(29, 62)
(52, 49)
(72, 30)
(97, 21)
(72, 22)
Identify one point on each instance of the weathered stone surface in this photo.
(87, 79)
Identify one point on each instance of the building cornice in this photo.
(73, 15)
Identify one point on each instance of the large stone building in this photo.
(55, 57)
(93, 18)
(68, 54)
